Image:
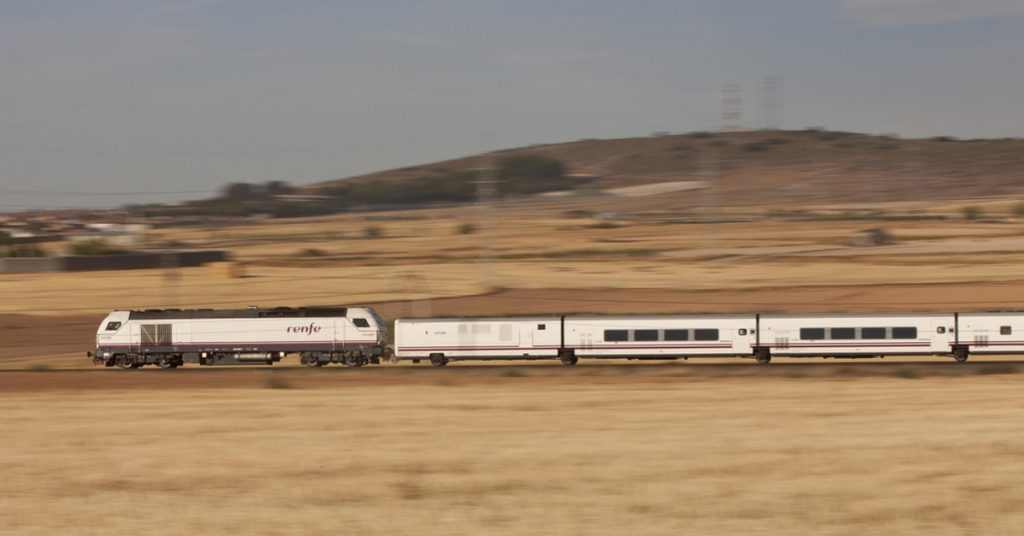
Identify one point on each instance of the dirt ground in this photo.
(628, 450)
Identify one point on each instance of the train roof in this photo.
(251, 312)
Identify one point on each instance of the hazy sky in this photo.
(130, 96)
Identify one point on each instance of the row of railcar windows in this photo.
(810, 334)
(655, 335)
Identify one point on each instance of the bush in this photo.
(466, 228)
(372, 231)
(971, 213)
(96, 246)
(1018, 210)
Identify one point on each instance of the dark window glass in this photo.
(904, 333)
(542, 327)
(616, 335)
(705, 334)
(843, 334)
(360, 322)
(1005, 330)
(812, 333)
(677, 334)
(113, 326)
(872, 333)
(645, 335)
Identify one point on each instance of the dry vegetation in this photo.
(630, 454)
(647, 449)
(759, 167)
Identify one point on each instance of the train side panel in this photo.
(660, 337)
(991, 333)
(856, 335)
(478, 338)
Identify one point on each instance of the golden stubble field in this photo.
(632, 451)
(423, 254)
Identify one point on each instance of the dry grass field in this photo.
(603, 450)
(926, 447)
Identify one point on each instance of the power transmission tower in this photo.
(486, 203)
(773, 104)
(732, 107)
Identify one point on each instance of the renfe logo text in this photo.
(308, 330)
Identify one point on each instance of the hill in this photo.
(759, 167)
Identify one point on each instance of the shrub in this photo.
(466, 228)
(277, 382)
(1018, 209)
(971, 213)
(372, 231)
(96, 246)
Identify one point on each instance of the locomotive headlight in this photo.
(280, 354)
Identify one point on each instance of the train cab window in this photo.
(113, 326)
(705, 334)
(616, 335)
(360, 322)
(677, 334)
(808, 334)
(645, 335)
(843, 334)
(904, 333)
(542, 327)
(1005, 330)
(872, 333)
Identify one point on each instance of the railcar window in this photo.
(113, 326)
(807, 334)
(843, 334)
(872, 333)
(616, 335)
(1005, 330)
(645, 335)
(904, 333)
(360, 322)
(705, 334)
(542, 327)
(677, 334)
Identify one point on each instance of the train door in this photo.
(942, 335)
(133, 337)
(338, 335)
(743, 337)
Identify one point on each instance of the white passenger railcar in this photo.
(658, 337)
(987, 333)
(853, 335)
(170, 338)
(445, 339)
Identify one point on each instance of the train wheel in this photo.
(763, 359)
(569, 359)
(311, 360)
(438, 360)
(126, 362)
(355, 360)
(166, 362)
(960, 355)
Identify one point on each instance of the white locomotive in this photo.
(757, 336)
(169, 338)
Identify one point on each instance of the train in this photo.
(357, 336)
(169, 338)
